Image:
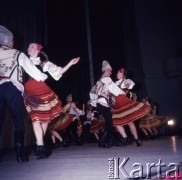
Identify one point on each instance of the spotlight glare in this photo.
(170, 122)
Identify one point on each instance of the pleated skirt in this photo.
(149, 121)
(46, 105)
(127, 110)
(97, 125)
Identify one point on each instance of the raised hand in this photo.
(75, 60)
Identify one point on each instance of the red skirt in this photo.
(96, 125)
(61, 123)
(48, 104)
(127, 110)
(150, 121)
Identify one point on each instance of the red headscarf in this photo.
(39, 47)
(122, 70)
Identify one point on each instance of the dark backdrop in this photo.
(144, 36)
(124, 32)
(61, 27)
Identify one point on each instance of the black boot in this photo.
(118, 140)
(111, 139)
(148, 137)
(19, 146)
(102, 140)
(55, 145)
(138, 142)
(125, 141)
(75, 139)
(65, 142)
(41, 152)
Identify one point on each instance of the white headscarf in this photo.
(5, 36)
(106, 66)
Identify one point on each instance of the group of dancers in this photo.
(119, 107)
(112, 105)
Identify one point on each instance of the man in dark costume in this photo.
(12, 64)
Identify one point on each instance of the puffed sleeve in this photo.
(112, 87)
(53, 70)
(128, 83)
(30, 68)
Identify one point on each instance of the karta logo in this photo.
(118, 170)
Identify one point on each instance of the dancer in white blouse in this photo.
(127, 110)
(42, 104)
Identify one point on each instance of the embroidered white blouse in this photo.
(112, 88)
(30, 69)
(54, 70)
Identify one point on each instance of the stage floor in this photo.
(89, 162)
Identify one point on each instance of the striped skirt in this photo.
(61, 123)
(41, 102)
(97, 125)
(150, 121)
(127, 110)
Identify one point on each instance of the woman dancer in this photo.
(41, 102)
(127, 110)
(150, 122)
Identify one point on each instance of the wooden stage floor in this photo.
(89, 162)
